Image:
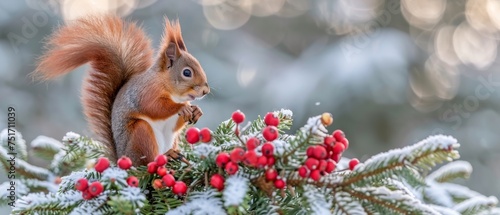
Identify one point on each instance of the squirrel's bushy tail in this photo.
(116, 50)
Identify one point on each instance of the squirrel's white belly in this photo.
(164, 132)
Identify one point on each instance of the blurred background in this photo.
(391, 72)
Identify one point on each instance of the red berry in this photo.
(161, 171)
(330, 166)
(250, 158)
(338, 134)
(279, 183)
(353, 163)
(303, 171)
(238, 117)
(338, 148)
(310, 151)
(179, 188)
(237, 155)
(336, 157)
(271, 119)
(217, 181)
(271, 174)
(345, 141)
(222, 159)
(132, 181)
(152, 167)
(315, 175)
(231, 168)
(124, 163)
(252, 143)
(157, 184)
(82, 184)
(86, 195)
(168, 180)
(270, 161)
(322, 165)
(96, 188)
(161, 160)
(329, 140)
(268, 149)
(312, 163)
(193, 135)
(320, 152)
(270, 133)
(262, 161)
(206, 135)
(102, 164)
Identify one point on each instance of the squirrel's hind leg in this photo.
(142, 147)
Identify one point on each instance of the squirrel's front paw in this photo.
(197, 113)
(186, 113)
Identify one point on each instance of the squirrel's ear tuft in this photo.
(173, 34)
(178, 35)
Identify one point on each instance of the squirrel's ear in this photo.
(172, 52)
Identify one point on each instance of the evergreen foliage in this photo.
(394, 182)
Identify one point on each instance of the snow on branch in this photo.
(317, 201)
(201, 203)
(24, 168)
(47, 147)
(235, 191)
(345, 204)
(19, 145)
(476, 204)
(424, 154)
(393, 200)
(451, 171)
(35, 203)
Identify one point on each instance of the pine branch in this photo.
(17, 144)
(423, 154)
(46, 147)
(23, 168)
(475, 205)
(39, 203)
(451, 171)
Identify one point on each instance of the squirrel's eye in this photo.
(187, 73)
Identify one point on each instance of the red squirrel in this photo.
(136, 104)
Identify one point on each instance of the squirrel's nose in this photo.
(206, 90)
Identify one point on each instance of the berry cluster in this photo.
(253, 155)
(194, 135)
(166, 177)
(95, 188)
(322, 158)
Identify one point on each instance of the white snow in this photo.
(71, 137)
(63, 200)
(201, 203)
(20, 143)
(444, 210)
(317, 201)
(235, 190)
(285, 112)
(452, 168)
(475, 201)
(315, 126)
(116, 173)
(431, 143)
(68, 182)
(133, 194)
(436, 194)
(204, 150)
(47, 142)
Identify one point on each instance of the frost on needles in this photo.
(245, 167)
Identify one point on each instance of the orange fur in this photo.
(116, 50)
(125, 84)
